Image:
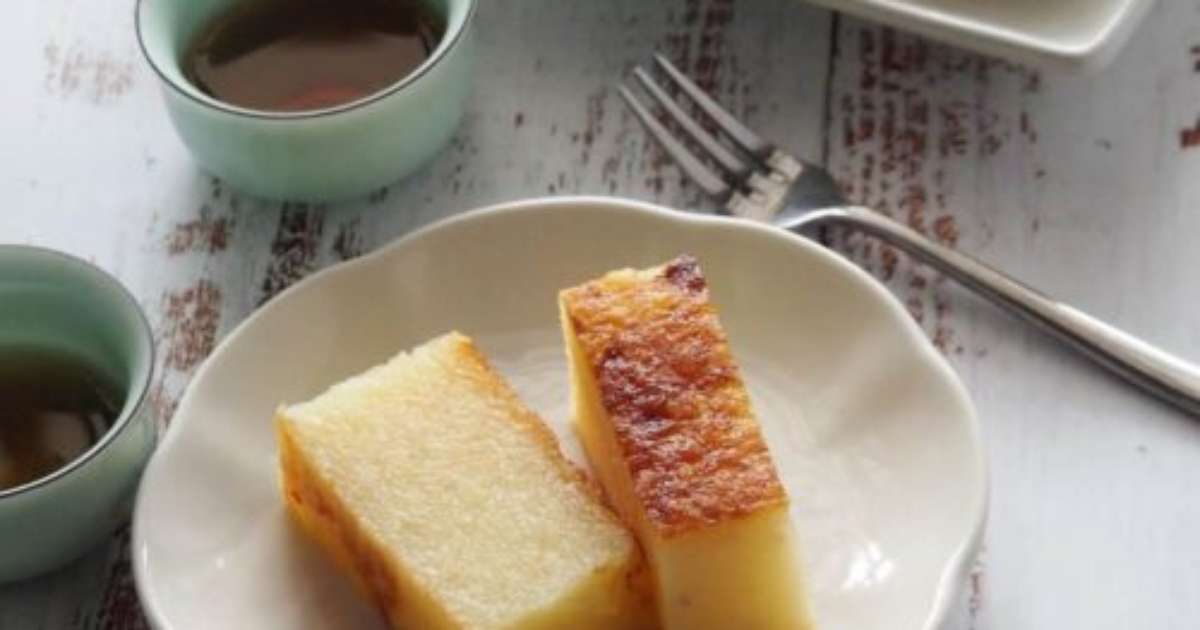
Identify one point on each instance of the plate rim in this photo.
(993, 39)
(959, 563)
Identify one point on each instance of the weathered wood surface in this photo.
(1083, 186)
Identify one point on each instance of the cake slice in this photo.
(449, 501)
(666, 422)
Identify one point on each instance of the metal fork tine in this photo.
(692, 167)
(726, 121)
(722, 155)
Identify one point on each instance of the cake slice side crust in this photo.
(318, 511)
(666, 422)
(486, 523)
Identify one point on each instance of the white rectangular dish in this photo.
(1064, 34)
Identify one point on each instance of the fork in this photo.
(756, 180)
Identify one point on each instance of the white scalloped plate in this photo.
(875, 437)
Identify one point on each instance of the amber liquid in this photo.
(53, 408)
(297, 55)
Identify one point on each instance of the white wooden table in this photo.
(1087, 187)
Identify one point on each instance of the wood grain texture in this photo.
(1083, 186)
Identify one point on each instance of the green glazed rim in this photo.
(143, 388)
(448, 43)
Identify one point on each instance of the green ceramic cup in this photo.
(320, 155)
(64, 304)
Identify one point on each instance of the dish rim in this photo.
(993, 39)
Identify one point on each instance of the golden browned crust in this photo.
(672, 390)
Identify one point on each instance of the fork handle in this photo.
(1138, 362)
